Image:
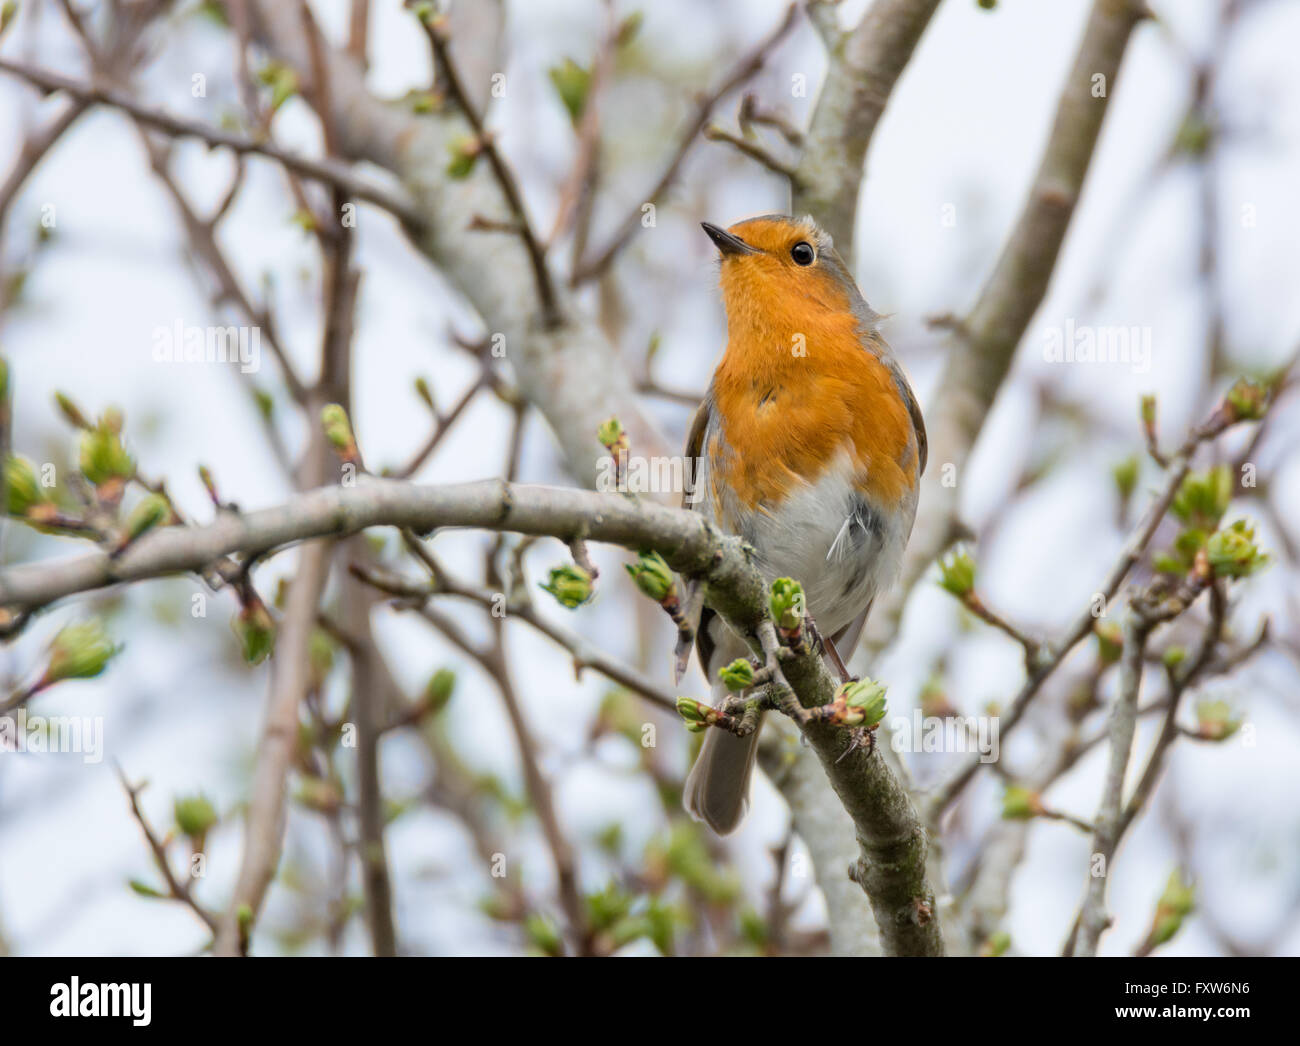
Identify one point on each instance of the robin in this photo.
(810, 446)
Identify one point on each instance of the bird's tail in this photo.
(717, 788)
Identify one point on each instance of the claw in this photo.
(859, 737)
(687, 627)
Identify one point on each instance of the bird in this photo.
(809, 445)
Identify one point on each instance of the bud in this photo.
(8, 11)
(422, 102)
(209, 484)
(71, 411)
(1173, 657)
(1215, 721)
(1246, 400)
(934, 699)
(320, 794)
(1020, 804)
(1232, 552)
(1195, 135)
(265, 403)
(737, 675)
(103, 458)
(543, 935)
(255, 631)
(652, 576)
(244, 916)
(1203, 497)
(195, 816)
(425, 393)
(464, 154)
(22, 489)
(1125, 474)
(1147, 411)
(695, 714)
(612, 436)
(865, 700)
(787, 604)
(572, 83)
(1175, 904)
(629, 27)
(438, 691)
(996, 945)
(957, 574)
(570, 585)
(1110, 641)
(112, 420)
(282, 81)
(149, 513)
(79, 651)
(338, 430)
(4, 373)
(320, 656)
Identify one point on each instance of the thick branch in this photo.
(570, 372)
(985, 341)
(892, 842)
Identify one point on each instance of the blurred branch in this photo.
(893, 843)
(1221, 419)
(359, 30)
(202, 235)
(369, 711)
(571, 371)
(493, 661)
(33, 149)
(985, 341)
(1122, 725)
(863, 66)
(584, 654)
(742, 71)
(1147, 610)
(753, 150)
(326, 172)
(178, 890)
(435, 32)
(264, 822)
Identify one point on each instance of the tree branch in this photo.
(986, 339)
(323, 171)
(865, 63)
(892, 842)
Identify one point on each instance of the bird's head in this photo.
(783, 273)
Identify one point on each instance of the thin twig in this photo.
(324, 171)
(742, 71)
(435, 31)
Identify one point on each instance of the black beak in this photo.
(726, 243)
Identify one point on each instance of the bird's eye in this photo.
(802, 253)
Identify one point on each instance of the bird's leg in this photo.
(860, 737)
(827, 646)
(688, 624)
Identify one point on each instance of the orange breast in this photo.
(790, 405)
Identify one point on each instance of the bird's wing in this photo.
(913, 408)
(694, 452)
